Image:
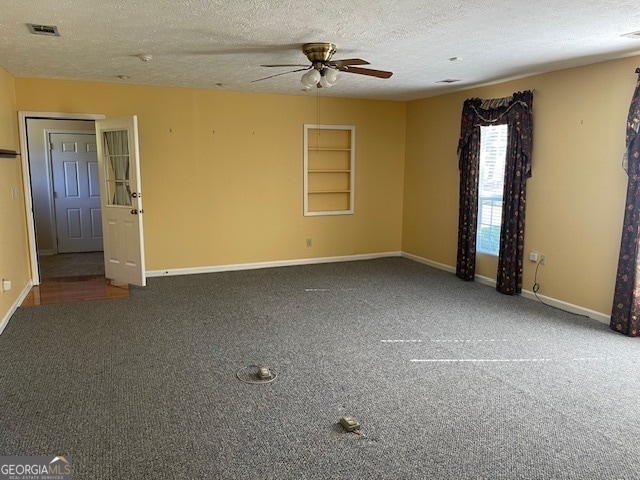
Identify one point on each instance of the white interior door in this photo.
(119, 168)
(76, 192)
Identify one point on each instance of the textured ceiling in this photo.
(200, 43)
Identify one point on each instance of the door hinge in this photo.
(51, 146)
(55, 194)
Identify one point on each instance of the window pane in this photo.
(116, 152)
(493, 150)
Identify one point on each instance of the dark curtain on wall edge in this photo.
(514, 111)
(625, 314)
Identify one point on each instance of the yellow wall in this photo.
(14, 260)
(222, 172)
(575, 198)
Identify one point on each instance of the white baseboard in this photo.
(280, 263)
(567, 307)
(16, 304)
(485, 280)
(431, 263)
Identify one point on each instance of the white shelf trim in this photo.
(350, 191)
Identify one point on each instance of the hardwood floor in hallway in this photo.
(74, 289)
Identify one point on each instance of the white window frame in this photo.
(492, 199)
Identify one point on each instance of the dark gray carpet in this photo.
(146, 388)
(71, 265)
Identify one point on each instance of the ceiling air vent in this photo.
(449, 80)
(50, 30)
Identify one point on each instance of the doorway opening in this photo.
(65, 197)
(77, 228)
(71, 270)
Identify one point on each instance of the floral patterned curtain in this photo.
(516, 113)
(469, 166)
(625, 315)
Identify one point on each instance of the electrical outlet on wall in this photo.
(309, 242)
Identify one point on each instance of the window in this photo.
(493, 151)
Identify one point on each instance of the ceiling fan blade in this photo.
(366, 71)
(348, 61)
(282, 73)
(285, 65)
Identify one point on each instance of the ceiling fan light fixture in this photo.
(328, 78)
(324, 71)
(311, 78)
(324, 82)
(330, 75)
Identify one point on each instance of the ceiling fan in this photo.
(323, 71)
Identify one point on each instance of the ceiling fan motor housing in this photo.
(319, 53)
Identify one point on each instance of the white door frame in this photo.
(26, 175)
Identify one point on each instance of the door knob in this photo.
(134, 212)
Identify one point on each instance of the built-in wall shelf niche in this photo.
(329, 169)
